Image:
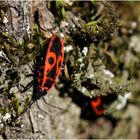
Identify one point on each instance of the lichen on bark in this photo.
(90, 67)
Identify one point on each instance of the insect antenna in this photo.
(53, 105)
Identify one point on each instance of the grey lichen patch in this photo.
(98, 83)
(6, 117)
(91, 77)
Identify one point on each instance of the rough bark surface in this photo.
(35, 123)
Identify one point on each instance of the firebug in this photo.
(47, 68)
(95, 104)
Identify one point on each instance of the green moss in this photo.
(94, 26)
(8, 53)
(15, 103)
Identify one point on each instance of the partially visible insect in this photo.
(95, 104)
(47, 68)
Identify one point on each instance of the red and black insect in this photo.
(95, 104)
(47, 68)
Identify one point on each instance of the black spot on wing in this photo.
(51, 60)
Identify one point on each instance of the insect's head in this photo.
(38, 94)
(43, 92)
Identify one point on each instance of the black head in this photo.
(37, 92)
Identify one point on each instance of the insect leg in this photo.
(41, 108)
(28, 86)
(24, 110)
(53, 105)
